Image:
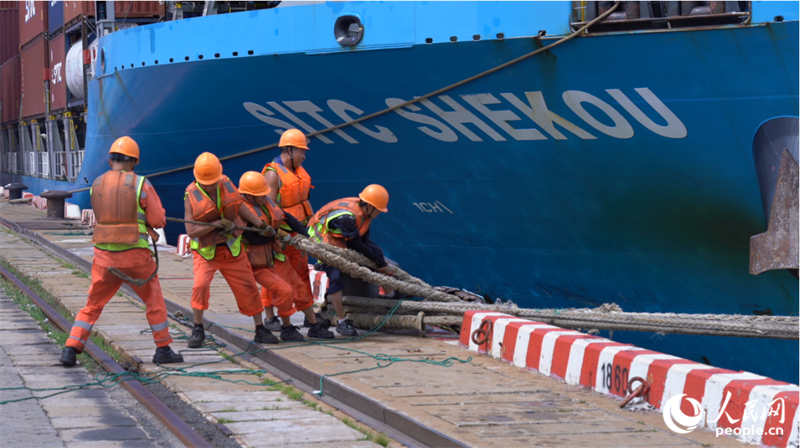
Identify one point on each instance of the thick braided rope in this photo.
(330, 258)
(357, 258)
(778, 327)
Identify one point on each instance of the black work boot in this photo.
(290, 334)
(346, 328)
(264, 336)
(198, 336)
(273, 324)
(69, 357)
(318, 331)
(325, 322)
(165, 355)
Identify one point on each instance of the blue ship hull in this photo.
(613, 168)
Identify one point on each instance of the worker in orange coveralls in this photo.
(290, 187)
(213, 198)
(345, 223)
(270, 266)
(127, 208)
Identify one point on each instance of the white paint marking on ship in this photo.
(674, 127)
(548, 347)
(341, 108)
(574, 99)
(523, 341)
(576, 356)
(499, 332)
(714, 394)
(607, 357)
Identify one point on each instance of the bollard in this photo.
(55, 203)
(15, 190)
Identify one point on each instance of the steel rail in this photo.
(170, 419)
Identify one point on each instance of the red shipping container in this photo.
(123, 9)
(32, 21)
(58, 71)
(33, 65)
(10, 89)
(9, 30)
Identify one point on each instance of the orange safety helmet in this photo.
(207, 169)
(293, 137)
(125, 146)
(253, 183)
(376, 196)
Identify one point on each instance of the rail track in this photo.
(170, 419)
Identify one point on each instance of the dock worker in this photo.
(127, 208)
(346, 223)
(271, 267)
(213, 198)
(290, 186)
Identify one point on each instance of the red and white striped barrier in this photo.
(39, 202)
(727, 398)
(319, 283)
(87, 218)
(72, 211)
(183, 246)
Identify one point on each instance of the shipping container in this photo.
(10, 89)
(9, 30)
(58, 69)
(34, 62)
(126, 9)
(55, 17)
(32, 21)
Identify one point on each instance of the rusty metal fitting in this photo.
(483, 333)
(642, 390)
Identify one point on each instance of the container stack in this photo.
(47, 51)
(57, 56)
(9, 61)
(34, 60)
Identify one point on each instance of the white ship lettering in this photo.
(453, 117)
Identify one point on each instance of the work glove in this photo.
(266, 230)
(229, 226)
(284, 237)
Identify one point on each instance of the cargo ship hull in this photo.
(612, 168)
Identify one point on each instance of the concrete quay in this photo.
(481, 403)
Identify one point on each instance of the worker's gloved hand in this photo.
(284, 237)
(229, 226)
(266, 230)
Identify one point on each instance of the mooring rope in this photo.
(438, 304)
(606, 317)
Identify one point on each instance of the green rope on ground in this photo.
(105, 379)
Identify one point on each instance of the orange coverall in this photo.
(299, 264)
(136, 263)
(237, 272)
